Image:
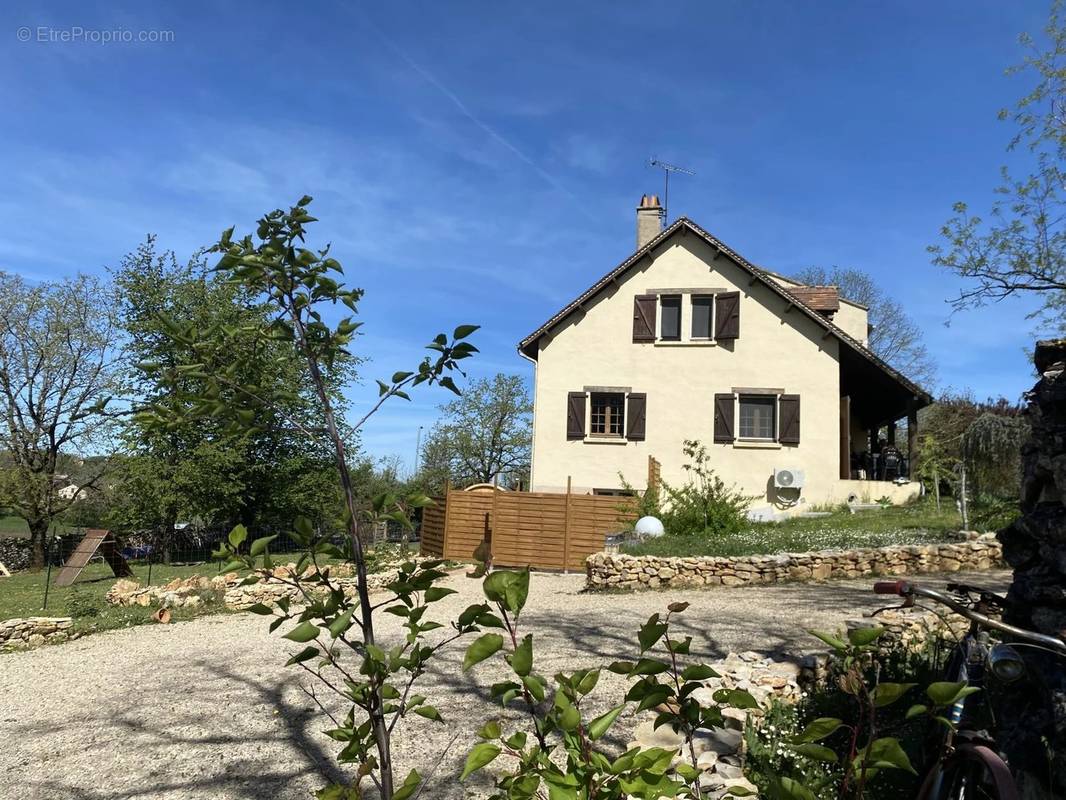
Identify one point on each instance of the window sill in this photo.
(605, 440)
(688, 343)
(757, 444)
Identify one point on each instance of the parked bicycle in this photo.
(967, 766)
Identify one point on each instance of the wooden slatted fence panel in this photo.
(432, 533)
(469, 523)
(538, 529)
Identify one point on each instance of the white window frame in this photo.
(776, 438)
(606, 438)
(685, 316)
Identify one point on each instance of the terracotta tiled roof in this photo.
(820, 298)
(683, 225)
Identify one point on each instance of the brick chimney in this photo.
(649, 219)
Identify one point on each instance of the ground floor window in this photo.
(607, 413)
(758, 417)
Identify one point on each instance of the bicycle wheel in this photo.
(972, 772)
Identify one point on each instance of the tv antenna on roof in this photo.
(667, 169)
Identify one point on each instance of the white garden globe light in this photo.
(649, 526)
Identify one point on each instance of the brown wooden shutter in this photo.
(575, 415)
(727, 315)
(723, 417)
(636, 416)
(644, 318)
(789, 412)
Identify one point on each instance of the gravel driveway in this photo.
(204, 709)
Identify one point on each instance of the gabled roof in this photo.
(683, 225)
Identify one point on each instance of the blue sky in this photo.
(480, 162)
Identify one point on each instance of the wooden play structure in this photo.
(93, 541)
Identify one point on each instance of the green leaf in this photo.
(517, 592)
(237, 536)
(945, 693)
(435, 593)
(522, 660)
(569, 717)
(259, 546)
(481, 648)
(304, 632)
(464, 330)
(602, 723)
(830, 639)
(816, 751)
(429, 712)
(818, 729)
(886, 753)
(490, 730)
(649, 666)
(261, 610)
(738, 791)
(794, 790)
(916, 710)
(481, 755)
(885, 694)
(698, 672)
(534, 687)
(861, 637)
(651, 632)
(304, 655)
(737, 698)
(341, 623)
(410, 784)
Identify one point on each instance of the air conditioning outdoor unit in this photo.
(788, 478)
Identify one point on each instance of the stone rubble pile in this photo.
(620, 571)
(34, 631)
(179, 593)
(269, 591)
(197, 590)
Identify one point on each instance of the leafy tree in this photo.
(895, 337)
(1020, 250)
(276, 270)
(485, 434)
(56, 376)
(195, 467)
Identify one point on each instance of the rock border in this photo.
(622, 571)
(20, 633)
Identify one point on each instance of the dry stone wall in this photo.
(34, 631)
(621, 571)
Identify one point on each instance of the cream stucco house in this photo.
(687, 339)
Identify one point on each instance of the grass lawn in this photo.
(16, 528)
(22, 594)
(916, 523)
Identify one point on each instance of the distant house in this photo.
(687, 339)
(71, 492)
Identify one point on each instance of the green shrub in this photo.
(706, 505)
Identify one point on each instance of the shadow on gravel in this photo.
(221, 773)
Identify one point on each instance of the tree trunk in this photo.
(38, 541)
(1033, 718)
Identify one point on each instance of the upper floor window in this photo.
(670, 313)
(702, 316)
(686, 316)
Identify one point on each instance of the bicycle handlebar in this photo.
(907, 589)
